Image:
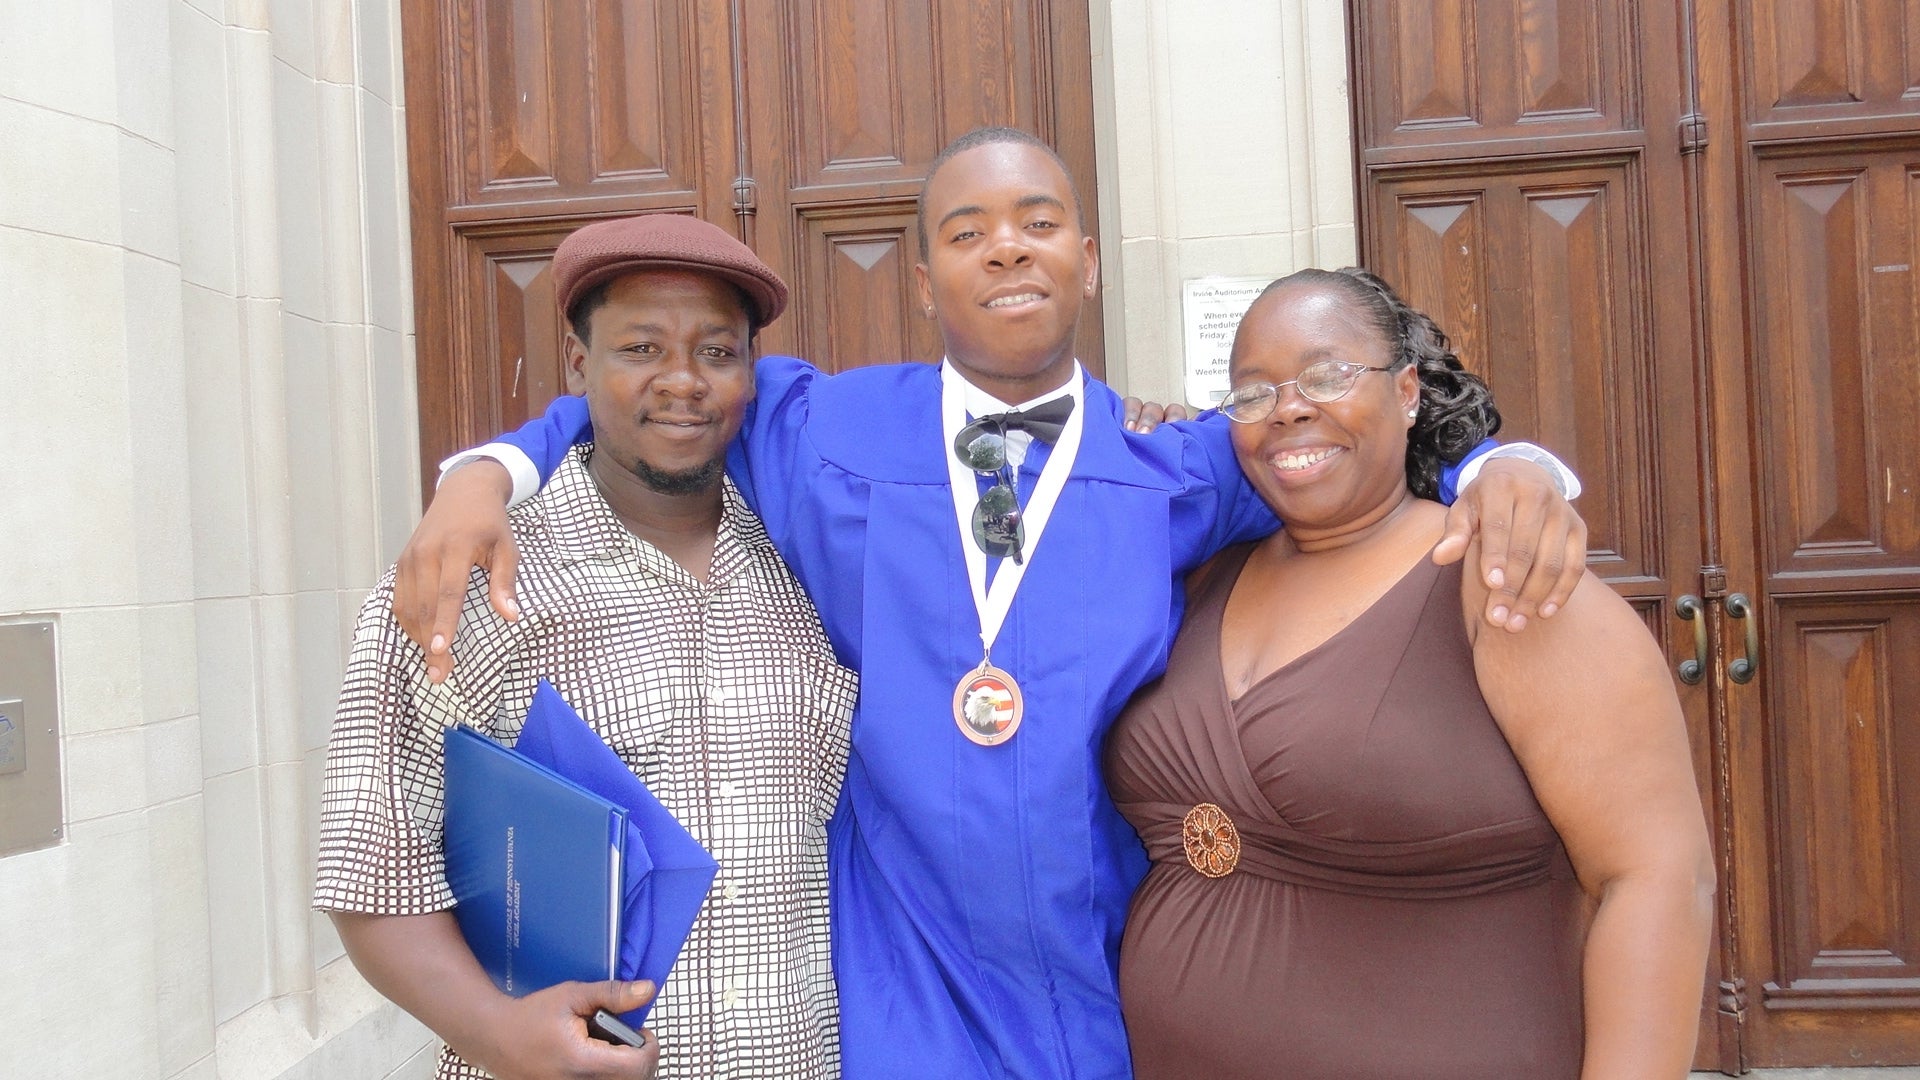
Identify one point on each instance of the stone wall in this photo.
(1224, 142)
(207, 389)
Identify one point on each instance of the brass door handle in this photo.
(1744, 669)
(1691, 609)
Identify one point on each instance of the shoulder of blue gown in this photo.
(882, 423)
(1109, 452)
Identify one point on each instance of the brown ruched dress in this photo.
(1401, 907)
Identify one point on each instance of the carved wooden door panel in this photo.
(1823, 127)
(805, 126)
(525, 119)
(848, 101)
(1679, 238)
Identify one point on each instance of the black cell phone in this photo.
(607, 1027)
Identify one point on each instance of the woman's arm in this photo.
(1586, 703)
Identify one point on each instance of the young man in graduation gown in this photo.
(979, 873)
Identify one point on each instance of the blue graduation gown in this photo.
(978, 893)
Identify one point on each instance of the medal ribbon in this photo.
(993, 604)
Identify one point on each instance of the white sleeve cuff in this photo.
(526, 478)
(1563, 477)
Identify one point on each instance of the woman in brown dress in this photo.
(1387, 841)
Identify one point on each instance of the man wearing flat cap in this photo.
(650, 597)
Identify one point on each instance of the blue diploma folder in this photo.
(563, 865)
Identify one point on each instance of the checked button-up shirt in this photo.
(724, 697)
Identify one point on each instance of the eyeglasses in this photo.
(982, 447)
(1328, 380)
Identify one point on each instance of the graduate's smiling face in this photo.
(667, 372)
(1007, 267)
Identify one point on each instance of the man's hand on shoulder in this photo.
(545, 1035)
(1533, 544)
(464, 527)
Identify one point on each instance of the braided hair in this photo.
(1456, 406)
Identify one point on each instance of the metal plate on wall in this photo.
(31, 803)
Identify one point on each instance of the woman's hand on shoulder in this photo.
(1143, 416)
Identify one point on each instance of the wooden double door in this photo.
(1681, 238)
(804, 126)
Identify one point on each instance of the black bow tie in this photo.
(1044, 421)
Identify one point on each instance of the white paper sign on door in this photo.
(1211, 308)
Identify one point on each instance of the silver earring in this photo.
(1413, 414)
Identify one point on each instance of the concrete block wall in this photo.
(206, 395)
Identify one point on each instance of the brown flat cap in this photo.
(604, 250)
